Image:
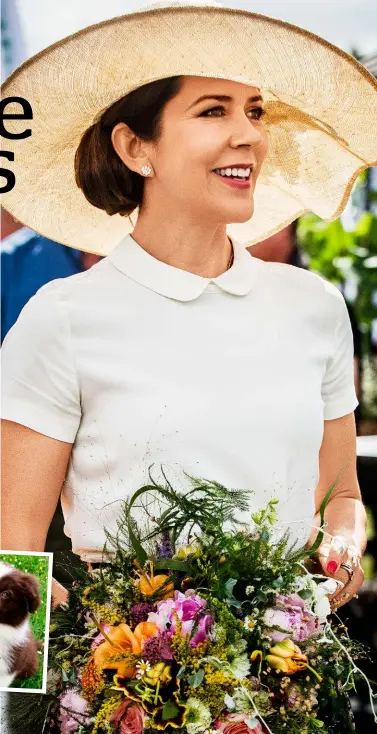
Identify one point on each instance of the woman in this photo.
(169, 351)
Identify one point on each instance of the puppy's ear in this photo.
(30, 589)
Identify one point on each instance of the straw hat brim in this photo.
(321, 114)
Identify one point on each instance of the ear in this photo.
(131, 150)
(31, 591)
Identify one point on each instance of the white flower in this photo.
(142, 668)
(322, 606)
(229, 702)
(240, 666)
(322, 609)
(198, 717)
(161, 622)
(249, 590)
(249, 623)
(327, 587)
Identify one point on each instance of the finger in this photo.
(350, 590)
(329, 559)
(344, 581)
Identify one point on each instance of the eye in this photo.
(258, 112)
(5, 595)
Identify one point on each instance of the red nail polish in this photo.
(332, 566)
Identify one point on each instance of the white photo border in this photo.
(50, 556)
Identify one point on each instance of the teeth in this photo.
(234, 172)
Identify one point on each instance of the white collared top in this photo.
(141, 364)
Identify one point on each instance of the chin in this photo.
(19, 597)
(242, 215)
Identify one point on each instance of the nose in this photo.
(244, 132)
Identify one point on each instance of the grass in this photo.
(38, 566)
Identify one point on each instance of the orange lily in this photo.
(121, 640)
(150, 584)
(144, 631)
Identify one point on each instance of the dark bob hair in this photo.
(104, 179)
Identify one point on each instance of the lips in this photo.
(239, 183)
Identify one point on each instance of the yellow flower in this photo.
(287, 657)
(184, 551)
(160, 673)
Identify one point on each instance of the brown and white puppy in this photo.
(19, 596)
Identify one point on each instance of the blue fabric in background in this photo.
(29, 261)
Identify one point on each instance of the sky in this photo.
(346, 23)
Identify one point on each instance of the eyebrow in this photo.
(224, 98)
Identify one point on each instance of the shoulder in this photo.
(304, 285)
(86, 284)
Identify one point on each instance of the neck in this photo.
(201, 248)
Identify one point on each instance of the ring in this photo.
(349, 570)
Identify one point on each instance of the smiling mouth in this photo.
(236, 178)
(236, 174)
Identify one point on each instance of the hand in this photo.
(333, 554)
(59, 594)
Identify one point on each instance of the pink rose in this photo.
(128, 718)
(291, 613)
(236, 724)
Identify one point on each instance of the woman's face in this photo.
(201, 135)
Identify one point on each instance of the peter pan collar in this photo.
(181, 285)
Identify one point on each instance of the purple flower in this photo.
(164, 548)
(73, 712)
(202, 630)
(157, 648)
(189, 608)
(292, 614)
(139, 612)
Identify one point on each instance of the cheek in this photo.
(195, 151)
(264, 146)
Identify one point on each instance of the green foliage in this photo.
(238, 573)
(208, 505)
(338, 254)
(38, 566)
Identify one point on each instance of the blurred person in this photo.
(283, 247)
(29, 261)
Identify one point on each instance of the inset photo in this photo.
(25, 600)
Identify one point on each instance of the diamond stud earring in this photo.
(146, 170)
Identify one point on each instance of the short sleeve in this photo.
(39, 381)
(338, 386)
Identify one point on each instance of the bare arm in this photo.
(33, 471)
(345, 514)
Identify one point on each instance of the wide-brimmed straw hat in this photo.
(321, 113)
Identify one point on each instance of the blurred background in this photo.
(344, 252)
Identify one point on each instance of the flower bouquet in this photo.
(198, 624)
